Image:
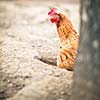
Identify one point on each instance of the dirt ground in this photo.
(26, 36)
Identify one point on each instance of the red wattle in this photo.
(53, 20)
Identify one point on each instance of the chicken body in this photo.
(68, 43)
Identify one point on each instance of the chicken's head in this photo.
(54, 16)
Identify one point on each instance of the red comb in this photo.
(52, 11)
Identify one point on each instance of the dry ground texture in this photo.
(26, 37)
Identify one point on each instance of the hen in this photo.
(68, 40)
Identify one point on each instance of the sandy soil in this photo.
(25, 35)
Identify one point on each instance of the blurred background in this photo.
(26, 33)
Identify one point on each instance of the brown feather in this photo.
(68, 43)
